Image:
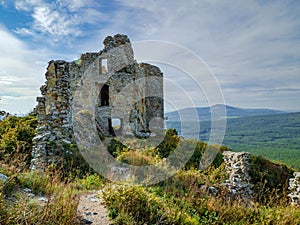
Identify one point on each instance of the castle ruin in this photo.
(114, 69)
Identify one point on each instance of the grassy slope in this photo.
(180, 199)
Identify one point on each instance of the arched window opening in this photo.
(104, 95)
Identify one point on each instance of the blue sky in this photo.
(252, 47)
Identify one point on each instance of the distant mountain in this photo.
(276, 136)
(204, 113)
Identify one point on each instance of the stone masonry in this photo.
(237, 166)
(116, 70)
(294, 187)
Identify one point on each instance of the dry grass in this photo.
(17, 207)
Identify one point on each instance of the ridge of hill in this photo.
(204, 113)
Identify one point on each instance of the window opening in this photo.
(104, 66)
(104, 95)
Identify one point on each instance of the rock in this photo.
(27, 190)
(43, 199)
(41, 128)
(52, 138)
(66, 141)
(36, 138)
(119, 170)
(87, 221)
(212, 190)
(91, 213)
(3, 177)
(30, 195)
(94, 199)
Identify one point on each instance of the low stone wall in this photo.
(294, 187)
(237, 166)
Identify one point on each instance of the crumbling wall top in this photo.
(115, 41)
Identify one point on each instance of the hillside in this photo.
(204, 113)
(276, 137)
(66, 194)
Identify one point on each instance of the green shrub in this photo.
(89, 182)
(115, 146)
(184, 182)
(199, 148)
(136, 157)
(37, 181)
(169, 144)
(16, 134)
(270, 180)
(71, 163)
(136, 204)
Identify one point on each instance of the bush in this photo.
(136, 157)
(169, 144)
(183, 183)
(270, 180)
(199, 148)
(16, 134)
(71, 163)
(115, 146)
(134, 203)
(89, 182)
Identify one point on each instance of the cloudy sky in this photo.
(251, 48)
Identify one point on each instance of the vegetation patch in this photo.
(184, 198)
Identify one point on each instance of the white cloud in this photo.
(54, 23)
(48, 19)
(248, 44)
(24, 32)
(20, 76)
(75, 5)
(57, 21)
(27, 5)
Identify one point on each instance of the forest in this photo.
(276, 137)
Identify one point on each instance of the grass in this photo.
(16, 207)
(181, 199)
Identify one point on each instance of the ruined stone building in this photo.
(115, 69)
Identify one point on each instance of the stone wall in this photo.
(121, 83)
(54, 116)
(237, 166)
(294, 187)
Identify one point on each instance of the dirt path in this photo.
(91, 209)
